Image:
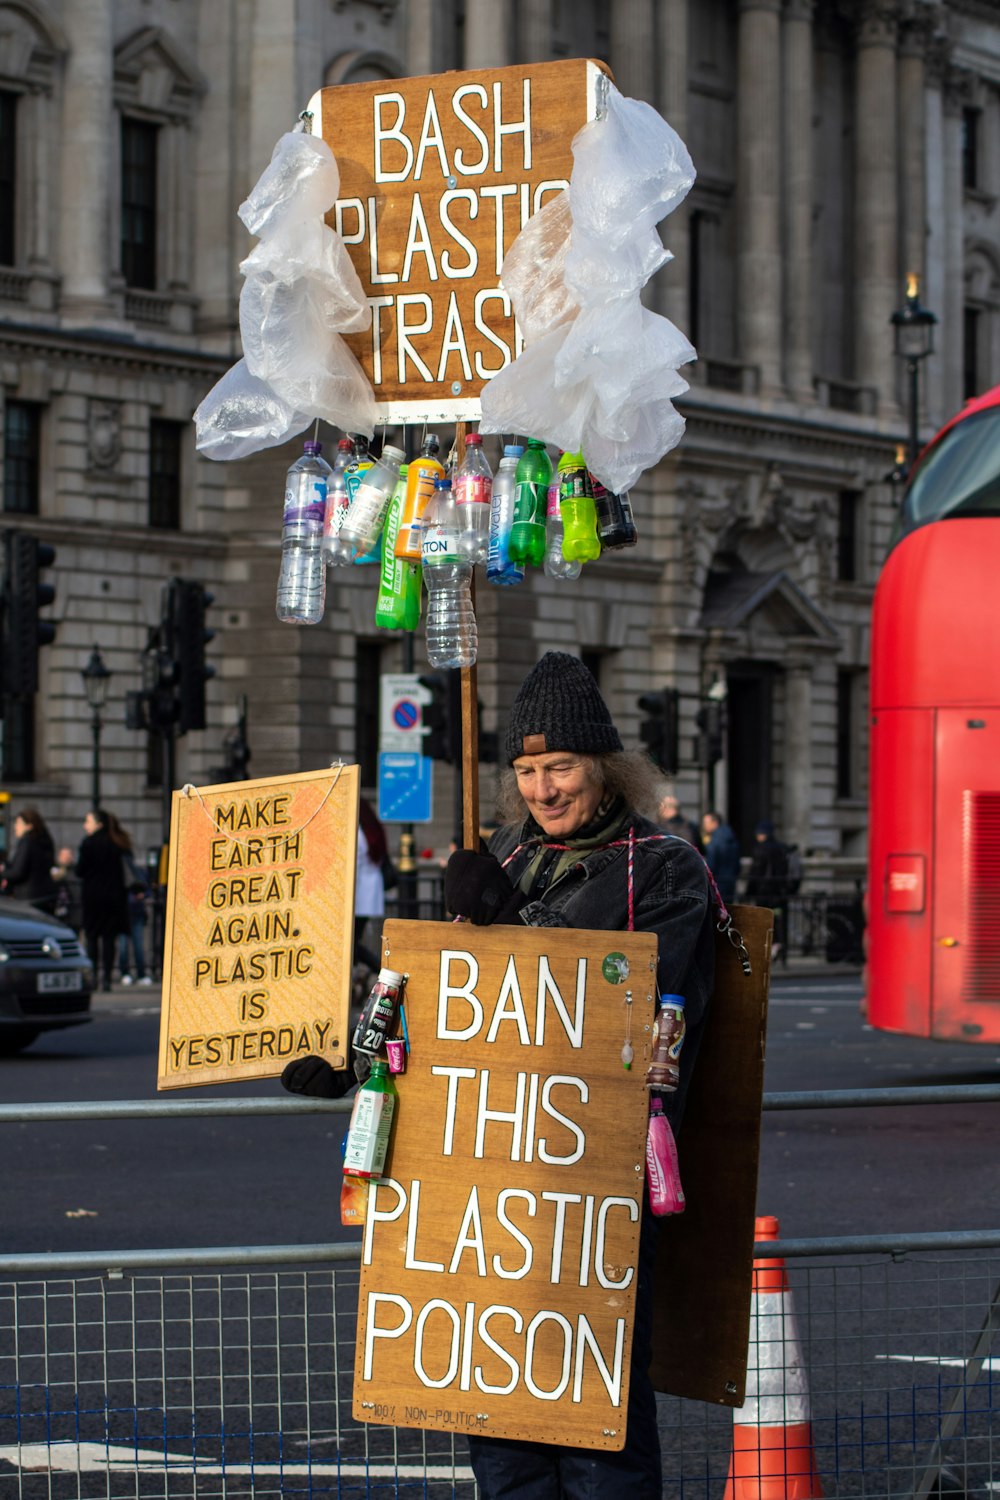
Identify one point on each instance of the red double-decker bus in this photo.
(933, 963)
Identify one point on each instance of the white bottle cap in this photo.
(389, 976)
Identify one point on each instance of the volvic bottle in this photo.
(615, 523)
(302, 580)
(398, 603)
(451, 620)
(557, 564)
(371, 1123)
(366, 516)
(499, 568)
(419, 492)
(579, 516)
(531, 487)
(473, 489)
(338, 498)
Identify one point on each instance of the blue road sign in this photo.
(405, 781)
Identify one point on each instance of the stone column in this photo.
(220, 241)
(675, 278)
(487, 33)
(534, 24)
(800, 289)
(758, 189)
(913, 146)
(273, 85)
(935, 272)
(877, 284)
(633, 47)
(86, 181)
(951, 309)
(796, 826)
(37, 109)
(431, 46)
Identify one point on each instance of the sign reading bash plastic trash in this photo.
(500, 1248)
(259, 927)
(437, 177)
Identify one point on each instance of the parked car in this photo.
(45, 976)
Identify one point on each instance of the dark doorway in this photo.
(748, 747)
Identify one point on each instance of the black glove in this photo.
(314, 1076)
(476, 886)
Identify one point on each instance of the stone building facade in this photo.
(840, 145)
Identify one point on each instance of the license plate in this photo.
(49, 984)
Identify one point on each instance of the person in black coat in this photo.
(100, 867)
(722, 854)
(28, 874)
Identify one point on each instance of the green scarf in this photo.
(608, 823)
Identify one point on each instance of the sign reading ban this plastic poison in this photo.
(500, 1249)
(437, 177)
(259, 927)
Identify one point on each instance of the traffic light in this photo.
(187, 602)
(442, 716)
(710, 720)
(24, 594)
(658, 730)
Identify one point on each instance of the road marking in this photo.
(92, 1458)
(937, 1359)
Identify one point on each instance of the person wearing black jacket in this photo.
(100, 867)
(28, 874)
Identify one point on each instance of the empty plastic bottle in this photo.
(557, 564)
(451, 619)
(579, 514)
(531, 488)
(473, 489)
(302, 580)
(398, 603)
(419, 492)
(338, 498)
(615, 522)
(366, 516)
(499, 568)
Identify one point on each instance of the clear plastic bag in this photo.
(242, 414)
(299, 185)
(533, 270)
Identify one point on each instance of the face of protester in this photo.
(560, 789)
(90, 823)
(20, 827)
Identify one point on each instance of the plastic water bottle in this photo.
(557, 564)
(366, 516)
(423, 471)
(338, 498)
(371, 1123)
(473, 488)
(451, 620)
(531, 490)
(579, 514)
(302, 580)
(615, 522)
(499, 568)
(398, 603)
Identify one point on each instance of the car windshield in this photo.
(960, 476)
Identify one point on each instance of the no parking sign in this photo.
(401, 717)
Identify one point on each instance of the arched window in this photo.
(362, 67)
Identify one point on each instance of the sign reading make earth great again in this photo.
(259, 926)
(500, 1250)
(437, 177)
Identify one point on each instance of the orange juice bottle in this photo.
(419, 488)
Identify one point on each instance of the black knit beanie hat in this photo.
(559, 707)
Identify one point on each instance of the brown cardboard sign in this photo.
(259, 926)
(498, 1260)
(437, 177)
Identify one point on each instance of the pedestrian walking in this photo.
(369, 886)
(99, 866)
(722, 854)
(28, 874)
(672, 820)
(768, 882)
(137, 895)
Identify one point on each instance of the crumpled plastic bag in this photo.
(300, 293)
(599, 371)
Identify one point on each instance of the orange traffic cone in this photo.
(772, 1437)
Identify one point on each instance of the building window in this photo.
(165, 475)
(367, 686)
(138, 189)
(21, 457)
(8, 176)
(848, 517)
(970, 148)
(972, 336)
(848, 686)
(18, 738)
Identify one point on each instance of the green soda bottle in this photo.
(531, 486)
(371, 1123)
(579, 513)
(398, 604)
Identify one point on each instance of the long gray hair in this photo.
(628, 774)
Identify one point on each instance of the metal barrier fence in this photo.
(129, 1375)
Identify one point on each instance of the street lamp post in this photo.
(96, 680)
(913, 339)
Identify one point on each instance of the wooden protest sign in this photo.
(498, 1262)
(437, 177)
(259, 926)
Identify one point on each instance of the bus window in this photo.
(960, 476)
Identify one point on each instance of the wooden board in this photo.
(499, 1253)
(437, 177)
(704, 1265)
(259, 926)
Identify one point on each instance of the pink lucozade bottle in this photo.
(666, 1196)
